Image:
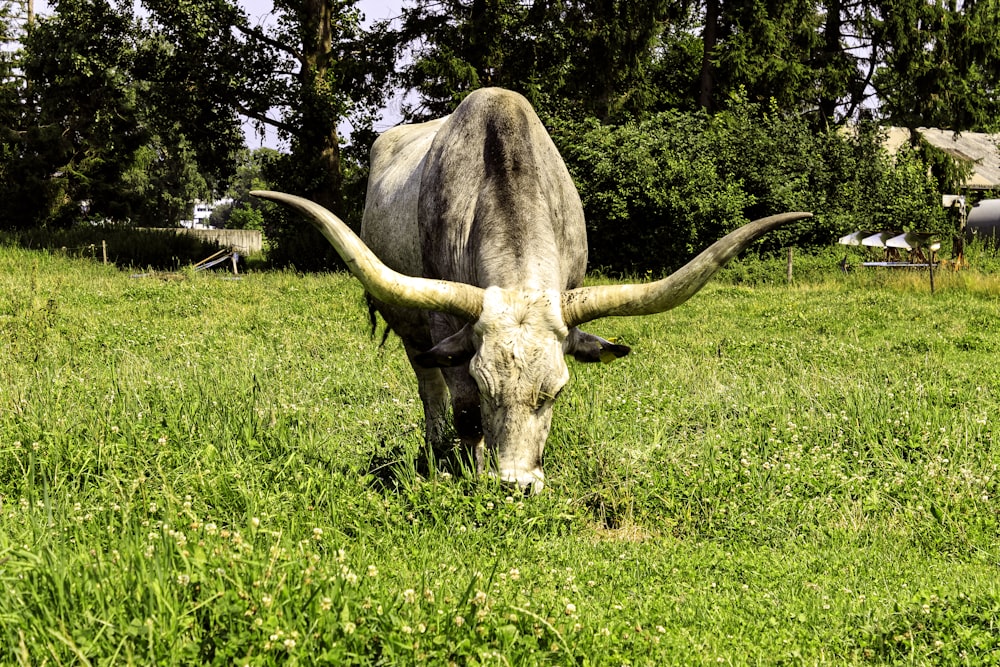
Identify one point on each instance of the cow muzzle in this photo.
(529, 482)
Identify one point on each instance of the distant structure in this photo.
(984, 221)
(203, 213)
(981, 151)
(977, 148)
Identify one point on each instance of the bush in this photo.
(658, 191)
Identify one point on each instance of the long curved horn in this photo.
(590, 303)
(386, 285)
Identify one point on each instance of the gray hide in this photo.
(491, 202)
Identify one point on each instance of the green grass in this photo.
(210, 471)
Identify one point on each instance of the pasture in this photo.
(210, 471)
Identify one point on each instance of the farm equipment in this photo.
(900, 250)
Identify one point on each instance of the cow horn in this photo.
(386, 285)
(590, 303)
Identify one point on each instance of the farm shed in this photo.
(978, 148)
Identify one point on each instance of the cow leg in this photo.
(467, 415)
(434, 396)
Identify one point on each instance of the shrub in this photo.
(658, 191)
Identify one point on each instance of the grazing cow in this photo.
(474, 253)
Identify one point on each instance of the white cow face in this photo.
(520, 368)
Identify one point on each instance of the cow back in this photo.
(497, 206)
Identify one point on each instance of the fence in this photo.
(245, 241)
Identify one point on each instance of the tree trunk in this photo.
(831, 53)
(319, 143)
(709, 39)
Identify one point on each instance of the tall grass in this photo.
(210, 471)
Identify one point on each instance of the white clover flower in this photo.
(326, 604)
(479, 598)
(349, 628)
(372, 571)
(409, 596)
(459, 621)
(570, 608)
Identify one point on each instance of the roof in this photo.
(977, 147)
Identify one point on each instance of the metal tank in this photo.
(984, 221)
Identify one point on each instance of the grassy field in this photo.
(211, 471)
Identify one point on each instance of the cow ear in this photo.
(589, 348)
(454, 350)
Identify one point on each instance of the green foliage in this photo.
(220, 472)
(117, 153)
(764, 51)
(941, 64)
(244, 217)
(76, 147)
(657, 192)
(651, 191)
(595, 58)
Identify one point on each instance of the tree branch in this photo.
(261, 36)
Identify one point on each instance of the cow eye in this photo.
(544, 397)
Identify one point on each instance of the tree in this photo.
(246, 212)
(12, 105)
(594, 56)
(94, 135)
(803, 54)
(73, 149)
(303, 72)
(940, 64)
(658, 191)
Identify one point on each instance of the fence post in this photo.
(788, 271)
(930, 269)
(104, 250)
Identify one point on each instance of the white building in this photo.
(203, 212)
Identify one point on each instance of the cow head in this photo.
(516, 340)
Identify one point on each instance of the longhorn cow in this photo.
(474, 250)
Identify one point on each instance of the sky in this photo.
(374, 10)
